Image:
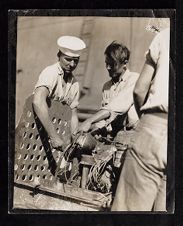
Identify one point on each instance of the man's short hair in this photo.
(117, 52)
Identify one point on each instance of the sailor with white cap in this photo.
(57, 82)
(70, 45)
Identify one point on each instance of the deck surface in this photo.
(24, 200)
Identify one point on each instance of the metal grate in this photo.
(35, 160)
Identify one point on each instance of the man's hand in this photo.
(85, 126)
(56, 142)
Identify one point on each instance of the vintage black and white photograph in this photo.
(92, 107)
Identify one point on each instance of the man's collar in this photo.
(122, 77)
(61, 73)
(125, 75)
(60, 70)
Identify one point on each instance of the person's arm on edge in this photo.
(41, 109)
(100, 115)
(142, 85)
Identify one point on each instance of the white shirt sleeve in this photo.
(48, 79)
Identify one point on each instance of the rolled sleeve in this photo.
(47, 79)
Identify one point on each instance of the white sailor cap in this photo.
(70, 45)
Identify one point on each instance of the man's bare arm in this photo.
(142, 86)
(41, 109)
(100, 115)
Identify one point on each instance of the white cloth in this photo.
(52, 78)
(71, 45)
(159, 52)
(118, 97)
